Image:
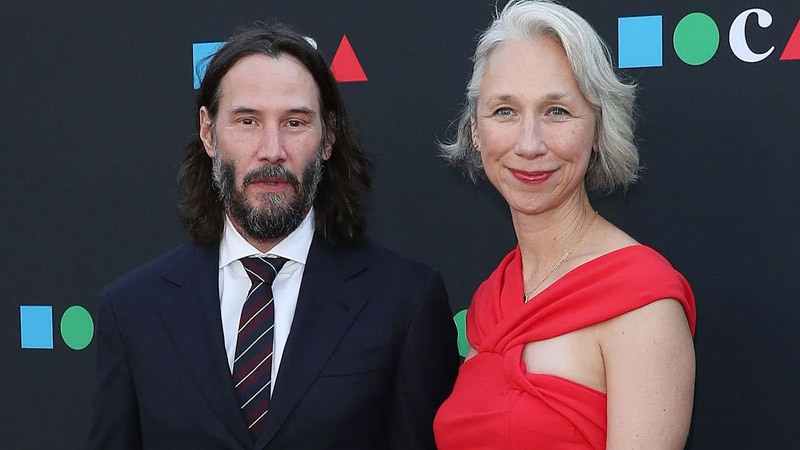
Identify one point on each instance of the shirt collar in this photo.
(293, 247)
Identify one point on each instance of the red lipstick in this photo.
(535, 177)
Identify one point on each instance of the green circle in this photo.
(696, 39)
(77, 327)
(461, 325)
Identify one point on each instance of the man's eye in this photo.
(248, 121)
(295, 123)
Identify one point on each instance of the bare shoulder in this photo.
(612, 237)
(665, 319)
(605, 238)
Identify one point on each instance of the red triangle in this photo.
(345, 65)
(792, 50)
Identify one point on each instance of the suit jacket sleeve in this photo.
(426, 371)
(115, 424)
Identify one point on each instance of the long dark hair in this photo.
(341, 196)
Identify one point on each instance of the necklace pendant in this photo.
(526, 297)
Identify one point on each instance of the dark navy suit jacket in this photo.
(370, 357)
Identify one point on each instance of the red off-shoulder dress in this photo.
(495, 403)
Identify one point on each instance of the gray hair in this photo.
(616, 162)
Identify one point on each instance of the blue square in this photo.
(202, 53)
(640, 41)
(36, 326)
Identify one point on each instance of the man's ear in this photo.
(206, 131)
(330, 137)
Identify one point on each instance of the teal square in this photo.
(36, 326)
(640, 41)
(202, 52)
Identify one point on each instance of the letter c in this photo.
(738, 40)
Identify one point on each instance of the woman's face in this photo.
(533, 128)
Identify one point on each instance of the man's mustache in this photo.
(271, 171)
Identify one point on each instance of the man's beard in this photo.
(280, 213)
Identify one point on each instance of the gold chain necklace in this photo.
(563, 258)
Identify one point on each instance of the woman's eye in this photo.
(558, 111)
(503, 112)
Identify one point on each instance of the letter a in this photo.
(345, 65)
(792, 50)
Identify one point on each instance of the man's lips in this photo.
(270, 184)
(532, 177)
(270, 181)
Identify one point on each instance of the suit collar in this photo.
(328, 302)
(192, 316)
(185, 261)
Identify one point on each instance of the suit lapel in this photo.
(192, 316)
(326, 306)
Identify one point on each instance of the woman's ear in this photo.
(473, 130)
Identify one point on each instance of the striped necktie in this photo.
(252, 364)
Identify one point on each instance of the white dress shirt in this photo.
(234, 284)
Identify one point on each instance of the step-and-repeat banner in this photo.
(97, 103)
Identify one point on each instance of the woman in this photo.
(582, 337)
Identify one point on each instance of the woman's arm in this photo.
(649, 361)
(470, 353)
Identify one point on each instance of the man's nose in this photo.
(270, 144)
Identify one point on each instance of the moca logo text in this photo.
(345, 65)
(696, 39)
(36, 327)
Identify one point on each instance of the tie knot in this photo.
(262, 269)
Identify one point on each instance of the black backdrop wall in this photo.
(97, 104)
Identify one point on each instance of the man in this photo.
(351, 346)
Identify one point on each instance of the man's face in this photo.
(267, 144)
